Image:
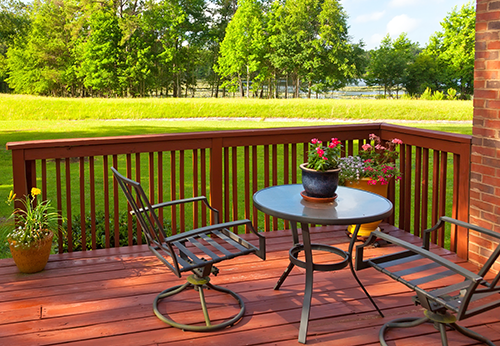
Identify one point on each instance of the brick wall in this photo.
(485, 168)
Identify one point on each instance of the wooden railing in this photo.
(230, 166)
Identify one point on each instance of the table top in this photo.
(352, 206)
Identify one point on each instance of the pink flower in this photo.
(368, 160)
(372, 136)
(314, 141)
(320, 152)
(380, 147)
(372, 182)
(366, 147)
(334, 142)
(397, 141)
(325, 158)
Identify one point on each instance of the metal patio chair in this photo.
(469, 294)
(193, 251)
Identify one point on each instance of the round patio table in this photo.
(352, 206)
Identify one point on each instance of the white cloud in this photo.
(403, 3)
(375, 40)
(400, 24)
(370, 17)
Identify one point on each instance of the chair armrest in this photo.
(430, 255)
(184, 201)
(444, 219)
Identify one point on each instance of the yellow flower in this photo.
(35, 191)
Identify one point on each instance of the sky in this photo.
(371, 20)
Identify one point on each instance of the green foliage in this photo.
(452, 94)
(427, 94)
(453, 49)
(438, 95)
(389, 63)
(31, 223)
(100, 232)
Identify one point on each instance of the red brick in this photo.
(487, 74)
(486, 94)
(494, 5)
(482, 169)
(493, 65)
(489, 55)
(493, 104)
(493, 84)
(489, 35)
(494, 219)
(488, 111)
(485, 132)
(476, 177)
(480, 65)
(493, 45)
(476, 159)
(474, 212)
(493, 26)
(480, 27)
(474, 194)
(488, 179)
(483, 188)
(485, 207)
(495, 200)
(478, 121)
(492, 143)
(492, 123)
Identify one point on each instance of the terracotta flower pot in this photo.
(32, 259)
(319, 184)
(379, 189)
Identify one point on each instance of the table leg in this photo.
(351, 247)
(306, 305)
(295, 235)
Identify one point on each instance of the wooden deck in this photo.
(105, 297)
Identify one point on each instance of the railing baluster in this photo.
(425, 189)
(160, 193)
(194, 163)
(435, 192)
(182, 213)
(173, 195)
(82, 204)
(247, 184)
(255, 188)
(116, 204)
(203, 185)
(234, 171)
(59, 202)
(105, 174)
(68, 205)
(226, 186)
(92, 202)
(286, 172)
(442, 194)
(407, 193)
(417, 191)
(267, 226)
(274, 176)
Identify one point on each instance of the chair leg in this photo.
(197, 284)
(408, 322)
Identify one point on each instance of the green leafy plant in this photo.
(452, 94)
(33, 222)
(376, 161)
(324, 157)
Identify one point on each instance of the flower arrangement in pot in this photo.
(371, 170)
(320, 174)
(34, 224)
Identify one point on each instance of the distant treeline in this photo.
(138, 48)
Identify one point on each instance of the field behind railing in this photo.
(31, 118)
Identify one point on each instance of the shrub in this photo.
(427, 94)
(452, 94)
(438, 95)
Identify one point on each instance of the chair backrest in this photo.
(142, 209)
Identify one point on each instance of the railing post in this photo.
(216, 176)
(24, 175)
(463, 200)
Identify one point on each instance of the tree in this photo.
(389, 63)
(241, 52)
(453, 48)
(41, 62)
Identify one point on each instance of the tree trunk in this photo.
(248, 81)
(286, 86)
(309, 90)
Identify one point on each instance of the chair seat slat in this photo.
(231, 241)
(205, 249)
(417, 269)
(216, 245)
(433, 277)
(184, 250)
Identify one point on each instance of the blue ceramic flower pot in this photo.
(319, 184)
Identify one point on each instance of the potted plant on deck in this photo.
(33, 225)
(320, 174)
(371, 170)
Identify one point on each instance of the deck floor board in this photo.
(105, 297)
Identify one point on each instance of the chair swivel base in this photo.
(441, 321)
(197, 284)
